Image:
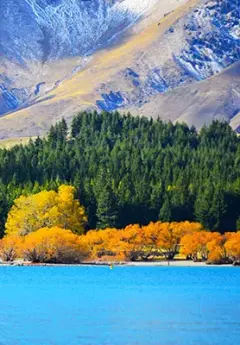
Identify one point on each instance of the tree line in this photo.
(50, 226)
(151, 242)
(131, 170)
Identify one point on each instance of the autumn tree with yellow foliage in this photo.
(46, 209)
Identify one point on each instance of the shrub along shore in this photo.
(137, 244)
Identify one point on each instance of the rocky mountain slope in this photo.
(35, 34)
(175, 59)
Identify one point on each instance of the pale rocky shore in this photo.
(172, 263)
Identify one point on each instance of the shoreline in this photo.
(173, 263)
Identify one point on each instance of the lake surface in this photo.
(123, 306)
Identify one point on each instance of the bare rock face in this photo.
(213, 39)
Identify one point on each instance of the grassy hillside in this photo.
(82, 89)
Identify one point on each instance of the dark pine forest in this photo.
(130, 170)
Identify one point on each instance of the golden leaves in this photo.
(233, 245)
(44, 217)
(46, 209)
(136, 242)
(54, 245)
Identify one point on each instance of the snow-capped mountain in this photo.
(59, 56)
(52, 29)
(34, 32)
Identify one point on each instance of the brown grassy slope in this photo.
(83, 89)
(9, 143)
(199, 103)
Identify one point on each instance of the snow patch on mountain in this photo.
(202, 44)
(72, 27)
(35, 32)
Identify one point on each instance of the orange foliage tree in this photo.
(170, 235)
(199, 245)
(102, 242)
(54, 245)
(131, 242)
(10, 248)
(135, 242)
(233, 246)
(218, 253)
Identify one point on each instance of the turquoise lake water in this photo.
(123, 306)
